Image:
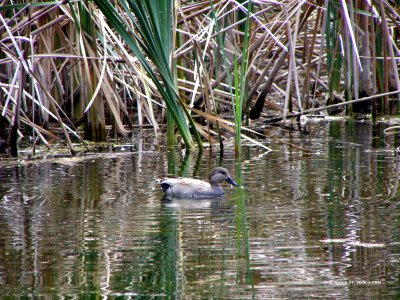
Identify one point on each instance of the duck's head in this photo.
(219, 175)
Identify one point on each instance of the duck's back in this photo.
(187, 187)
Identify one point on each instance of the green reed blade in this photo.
(151, 39)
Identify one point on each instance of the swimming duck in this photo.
(188, 187)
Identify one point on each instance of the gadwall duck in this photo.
(188, 187)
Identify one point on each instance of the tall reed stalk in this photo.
(241, 88)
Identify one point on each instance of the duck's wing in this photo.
(184, 186)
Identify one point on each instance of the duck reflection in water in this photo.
(194, 188)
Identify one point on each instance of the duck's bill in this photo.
(229, 180)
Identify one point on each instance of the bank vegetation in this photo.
(198, 71)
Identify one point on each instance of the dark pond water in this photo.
(324, 224)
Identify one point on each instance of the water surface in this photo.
(324, 224)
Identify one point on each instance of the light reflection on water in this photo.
(323, 224)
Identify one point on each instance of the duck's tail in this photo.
(164, 185)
